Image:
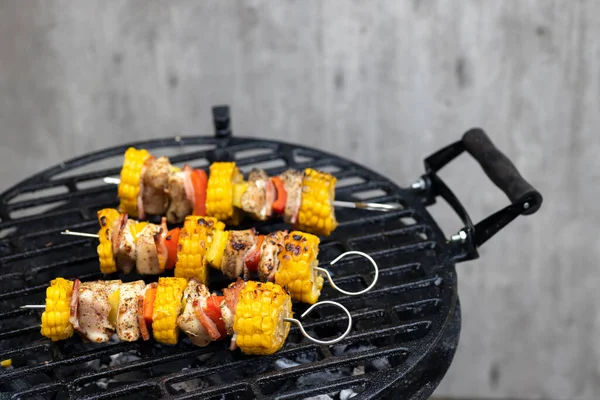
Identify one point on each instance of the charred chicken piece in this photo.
(188, 322)
(258, 198)
(155, 183)
(292, 183)
(238, 245)
(128, 327)
(269, 262)
(94, 308)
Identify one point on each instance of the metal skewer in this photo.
(83, 234)
(338, 203)
(289, 320)
(318, 269)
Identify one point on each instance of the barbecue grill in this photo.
(405, 332)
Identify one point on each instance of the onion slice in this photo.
(73, 319)
(188, 185)
(207, 323)
(161, 247)
(141, 321)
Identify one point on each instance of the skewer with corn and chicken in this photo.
(305, 199)
(256, 315)
(289, 259)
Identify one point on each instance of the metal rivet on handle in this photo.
(459, 237)
(419, 185)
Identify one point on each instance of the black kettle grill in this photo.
(405, 332)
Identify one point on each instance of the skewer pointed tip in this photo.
(33, 306)
(367, 206)
(111, 180)
(82, 234)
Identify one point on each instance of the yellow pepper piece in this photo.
(238, 190)
(113, 300)
(136, 229)
(214, 256)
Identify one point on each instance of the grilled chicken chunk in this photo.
(93, 309)
(238, 245)
(258, 198)
(155, 181)
(124, 244)
(128, 327)
(292, 183)
(146, 252)
(268, 264)
(180, 206)
(188, 321)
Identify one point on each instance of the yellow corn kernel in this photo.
(211, 225)
(219, 192)
(106, 219)
(191, 251)
(296, 267)
(316, 213)
(6, 363)
(167, 307)
(131, 174)
(55, 319)
(259, 314)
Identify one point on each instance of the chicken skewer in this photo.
(288, 259)
(256, 315)
(305, 199)
(337, 203)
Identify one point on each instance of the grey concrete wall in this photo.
(383, 82)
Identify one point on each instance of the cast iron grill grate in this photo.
(404, 335)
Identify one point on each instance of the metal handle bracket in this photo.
(525, 199)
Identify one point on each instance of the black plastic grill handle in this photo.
(524, 198)
(501, 170)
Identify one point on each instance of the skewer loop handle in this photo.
(336, 287)
(317, 341)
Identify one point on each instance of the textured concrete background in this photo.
(382, 82)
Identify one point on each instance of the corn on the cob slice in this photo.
(131, 174)
(167, 307)
(106, 218)
(259, 314)
(55, 319)
(316, 213)
(296, 262)
(219, 192)
(193, 243)
(211, 225)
